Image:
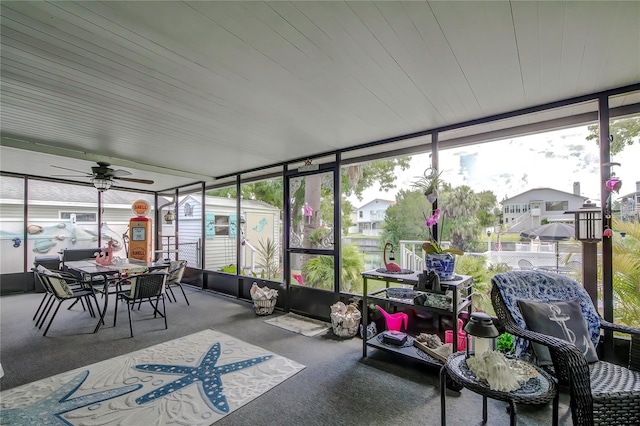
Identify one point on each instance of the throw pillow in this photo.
(60, 286)
(561, 319)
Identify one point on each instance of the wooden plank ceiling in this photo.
(202, 89)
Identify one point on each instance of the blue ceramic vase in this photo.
(442, 264)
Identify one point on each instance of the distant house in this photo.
(370, 217)
(258, 222)
(630, 205)
(530, 208)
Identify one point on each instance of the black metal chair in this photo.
(144, 286)
(61, 288)
(600, 392)
(176, 271)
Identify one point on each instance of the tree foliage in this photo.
(358, 177)
(464, 215)
(624, 131)
(626, 277)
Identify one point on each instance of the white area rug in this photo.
(298, 324)
(194, 380)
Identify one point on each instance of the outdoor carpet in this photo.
(298, 324)
(193, 380)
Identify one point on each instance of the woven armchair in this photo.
(600, 393)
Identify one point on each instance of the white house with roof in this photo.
(630, 205)
(369, 217)
(531, 208)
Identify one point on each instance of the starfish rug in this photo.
(193, 380)
(298, 324)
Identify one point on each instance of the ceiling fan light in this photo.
(102, 184)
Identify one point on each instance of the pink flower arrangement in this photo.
(432, 246)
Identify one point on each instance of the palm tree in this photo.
(626, 273)
(318, 270)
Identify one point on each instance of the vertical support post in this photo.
(607, 261)
(590, 270)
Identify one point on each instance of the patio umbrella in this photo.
(551, 232)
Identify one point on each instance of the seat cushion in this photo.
(561, 319)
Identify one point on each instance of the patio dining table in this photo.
(94, 273)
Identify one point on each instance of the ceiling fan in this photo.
(102, 176)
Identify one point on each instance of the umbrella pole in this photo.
(557, 255)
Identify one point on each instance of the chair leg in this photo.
(52, 317)
(164, 312)
(45, 313)
(45, 298)
(129, 310)
(89, 305)
(170, 293)
(184, 294)
(115, 313)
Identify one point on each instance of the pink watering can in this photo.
(462, 336)
(395, 321)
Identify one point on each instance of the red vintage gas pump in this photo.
(140, 232)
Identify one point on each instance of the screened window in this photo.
(555, 206)
(222, 225)
(80, 217)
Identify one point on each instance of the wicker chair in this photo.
(600, 392)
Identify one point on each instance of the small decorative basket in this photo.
(264, 306)
(340, 330)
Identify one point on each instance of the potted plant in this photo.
(429, 183)
(437, 259)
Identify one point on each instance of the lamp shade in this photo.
(481, 325)
(102, 184)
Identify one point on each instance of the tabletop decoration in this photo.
(105, 256)
(500, 373)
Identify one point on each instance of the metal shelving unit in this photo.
(461, 299)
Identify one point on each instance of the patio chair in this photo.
(61, 288)
(176, 271)
(600, 392)
(524, 264)
(48, 297)
(143, 286)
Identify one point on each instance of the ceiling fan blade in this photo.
(72, 170)
(148, 182)
(119, 173)
(74, 176)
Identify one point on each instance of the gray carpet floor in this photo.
(337, 387)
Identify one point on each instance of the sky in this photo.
(508, 167)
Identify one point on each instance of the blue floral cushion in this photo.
(544, 287)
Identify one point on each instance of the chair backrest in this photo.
(543, 287)
(176, 271)
(147, 285)
(54, 283)
(525, 264)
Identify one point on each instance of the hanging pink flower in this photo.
(433, 219)
(607, 233)
(613, 184)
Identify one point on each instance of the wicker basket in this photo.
(264, 306)
(341, 331)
